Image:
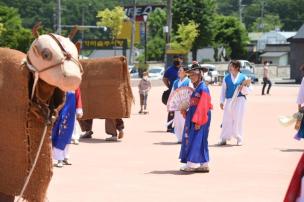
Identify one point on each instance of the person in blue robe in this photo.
(63, 129)
(194, 149)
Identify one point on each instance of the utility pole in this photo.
(59, 17)
(241, 10)
(82, 23)
(169, 25)
(262, 16)
(133, 21)
(169, 20)
(54, 19)
(145, 18)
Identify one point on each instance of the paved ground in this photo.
(145, 166)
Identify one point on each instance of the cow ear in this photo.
(35, 29)
(73, 32)
(78, 46)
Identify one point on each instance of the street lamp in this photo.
(145, 17)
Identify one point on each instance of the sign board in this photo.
(141, 10)
(127, 30)
(93, 44)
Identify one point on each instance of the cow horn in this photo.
(78, 46)
(35, 29)
(73, 32)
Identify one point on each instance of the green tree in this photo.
(113, 19)
(1, 27)
(140, 2)
(156, 39)
(201, 12)
(156, 21)
(231, 7)
(156, 48)
(227, 7)
(74, 12)
(78, 12)
(32, 11)
(13, 35)
(232, 35)
(186, 35)
(290, 12)
(269, 23)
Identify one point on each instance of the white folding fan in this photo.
(289, 120)
(180, 99)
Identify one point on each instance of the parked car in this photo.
(249, 74)
(156, 72)
(211, 74)
(82, 57)
(133, 72)
(245, 64)
(130, 67)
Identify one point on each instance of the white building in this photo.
(273, 37)
(276, 58)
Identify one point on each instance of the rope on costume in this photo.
(34, 164)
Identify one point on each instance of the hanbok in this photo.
(234, 107)
(194, 148)
(179, 120)
(64, 126)
(300, 101)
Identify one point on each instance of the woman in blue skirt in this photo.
(194, 149)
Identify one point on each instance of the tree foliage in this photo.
(1, 27)
(201, 12)
(32, 11)
(73, 12)
(269, 23)
(156, 21)
(156, 48)
(156, 39)
(13, 34)
(290, 12)
(232, 35)
(112, 19)
(185, 36)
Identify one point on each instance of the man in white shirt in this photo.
(266, 79)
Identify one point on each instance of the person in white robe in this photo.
(179, 120)
(77, 131)
(235, 87)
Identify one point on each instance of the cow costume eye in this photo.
(46, 54)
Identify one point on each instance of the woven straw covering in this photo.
(14, 158)
(21, 129)
(105, 88)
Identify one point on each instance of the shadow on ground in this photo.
(166, 143)
(156, 131)
(94, 141)
(223, 146)
(169, 172)
(292, 150)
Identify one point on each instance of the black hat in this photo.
(197, 67)
(185, 68)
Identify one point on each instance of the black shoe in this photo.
(222, 143)
(170, 130)
(66, 162)
(88, 134)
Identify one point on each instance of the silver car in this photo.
(156, 72)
